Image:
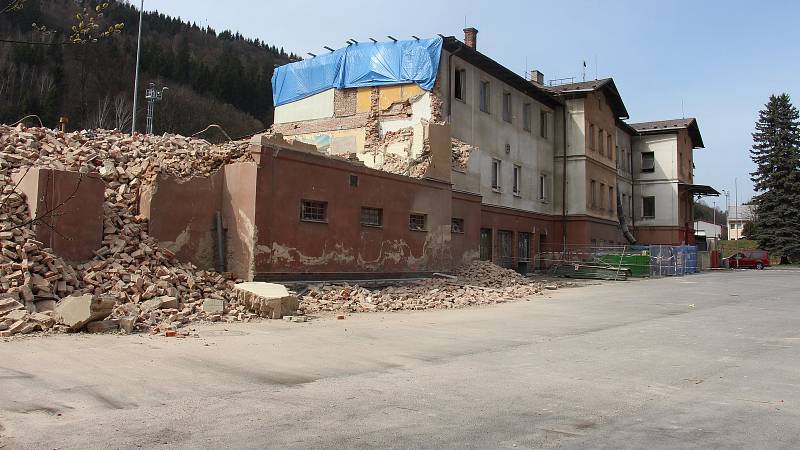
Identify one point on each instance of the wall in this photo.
(544, 232)
(342, 247)
(239, 215)
(490, 133)
(181, 215)
(317, 106)
(465, 246)
(70, 203)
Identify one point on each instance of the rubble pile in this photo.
(130, 266)
(478, 283)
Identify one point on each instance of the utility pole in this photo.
(136, 79)
(153, 95)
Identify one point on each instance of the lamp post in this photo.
(136, 79)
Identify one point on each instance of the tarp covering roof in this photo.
(359, 65)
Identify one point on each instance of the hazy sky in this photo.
(715, 60)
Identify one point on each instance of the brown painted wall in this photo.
(465, 246)
(239, 217)
(181, 216)
(503, 219)
(583, 230)
(78, 221)
(287, 244)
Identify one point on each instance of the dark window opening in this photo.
(353, 180)
(417, 222)
(648, 162)
(372, 217)
(648, 206)
(457, 225)
(314, 211)
(507, 107)
(460, 84)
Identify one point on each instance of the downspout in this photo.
(621, 216)
(564, 179)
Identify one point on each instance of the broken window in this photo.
(314, 211)
(417, 222)
(517, 179)
(526, 117)
(457, 225)
(648, 207)
(507, 107)
(648, 162)
(459, 90)
(543, 123)
(495, 174)
(485, 96)
(371, 217)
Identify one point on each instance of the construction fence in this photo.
(617, 262)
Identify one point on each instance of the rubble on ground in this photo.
(478, 283)
(129, 267)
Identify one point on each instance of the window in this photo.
(542, 187)
(517, 180)
(457, 225)
(353, 180)
(591, 137)
(485, 96)
(417, 222)
(496, 174)
(507, 107)
(648, 207)
(593, 194)
(648, 162)
(543, 123)
(600, 141)
(602, 198)
(460, 84)
(609, 145)
(610, 198)
(371, 217)
(526, 117)
(314, 211)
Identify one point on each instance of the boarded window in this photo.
(495, 174)
(507, 107)
(459, 90)
(648, 206)
(648, 162)
(372, 217)
(517, 179)
(417, 222)
(314, 211)
(456, 225)
(484, 96)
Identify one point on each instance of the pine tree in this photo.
(776, 152)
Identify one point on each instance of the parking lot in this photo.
(702, 361)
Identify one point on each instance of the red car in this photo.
(749, 259)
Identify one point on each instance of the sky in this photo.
(718, 61)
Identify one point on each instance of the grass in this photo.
(728, 248)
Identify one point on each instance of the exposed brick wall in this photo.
(317, 126)
(344, 102)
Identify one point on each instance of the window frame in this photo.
(319, 203)
(651, 169)
(460, 85)
(644, 212)
(543, 124)
(453, 222)
(593, 194)
(424, 217)
(591, 137)
(543, 187)
(497, 182)
(516, 188)
(508, 109)
(371, 225)
(485, 94)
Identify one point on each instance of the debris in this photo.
(266, 299)
(78, 310)
(103, 326)
(214, 306)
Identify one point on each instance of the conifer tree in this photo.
(776, 152)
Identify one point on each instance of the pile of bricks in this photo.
(478, 283)
(129, 267)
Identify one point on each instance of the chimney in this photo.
(471, 37)
(537, 77)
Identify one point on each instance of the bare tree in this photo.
(102, 116)
(122, 112)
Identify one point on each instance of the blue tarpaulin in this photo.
(359, 65)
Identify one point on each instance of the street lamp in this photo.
(136, 79)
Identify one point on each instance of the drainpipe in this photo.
(564, 181)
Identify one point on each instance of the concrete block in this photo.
(78, 310)
(214, 306)
(266, 299)
(127, 324)
(103, 326)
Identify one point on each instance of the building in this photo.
(546, 165)
(738, 216)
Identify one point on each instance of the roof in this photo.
(581, 88)
(666, 126)
(497, 70)
(701, 190)
(740, 212)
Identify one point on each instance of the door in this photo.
(505, 242)
(524, 252)
(486, 244)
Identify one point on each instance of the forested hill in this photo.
(213, 77)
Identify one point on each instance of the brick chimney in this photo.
(471, 37)
(537, 77)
